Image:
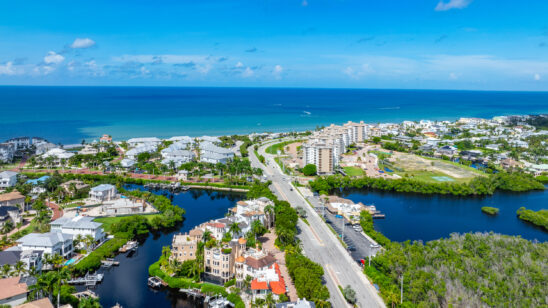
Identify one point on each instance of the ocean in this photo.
(70, 114)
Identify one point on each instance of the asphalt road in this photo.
(319, 243)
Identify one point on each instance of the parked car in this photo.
(375, 246)
(351, 248)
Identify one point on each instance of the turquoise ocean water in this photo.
(70, 114)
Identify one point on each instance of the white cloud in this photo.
(53, 58)
(248, 72)
(453, 76)
(82, 43)
(358, 72)
(239, 65)
(7, 69)
(166, 59)
(537, 77)
(278, 70)
(452, 4)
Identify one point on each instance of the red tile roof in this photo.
(258, 285)
(278, 287)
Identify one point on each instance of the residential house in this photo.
(268, 281)
(124, 206)
(8, 179)
(447, 150)
(13, 198)
(58, 155)
(211, 153)
(183, 247)
(52, 243)
(10, 213)
(40, 303)
(105, 138)
(31, 259)
(72, 187)
(141, 148)
(103, 192)
(79, 225)
(13, 291)
(300, 303)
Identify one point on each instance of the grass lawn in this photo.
(273, 149)
(108, 221)
(353, 171)
(428, 176)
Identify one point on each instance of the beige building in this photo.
(219, 262)
(183, 247)
(13, 198)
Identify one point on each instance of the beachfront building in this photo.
(300, 303)
(8, 179)
(20, 143)
(105, 138)
(183, 247)
(147, 140)
(322, 155)
(53, 242)
(13, 198)
(7, 151)
(79, 225)
(103, 192)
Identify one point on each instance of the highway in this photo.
(319, 243)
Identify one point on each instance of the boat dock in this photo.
(88, 280)
(174, 187)
(194, 293)
(156, 282)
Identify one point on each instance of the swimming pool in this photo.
(69, 262)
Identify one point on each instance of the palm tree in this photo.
(77, 240)
(234, 229)
(206, 236)
(89, 240)
(6, 270)
(19, 268)
(269, 301)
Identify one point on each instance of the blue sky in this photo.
(422, 44)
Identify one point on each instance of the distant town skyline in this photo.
(427, 44)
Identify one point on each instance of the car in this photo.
(358, 229)
(375, 246)
(328, 221)
(338, 216)
(291, 189)
(351, 248)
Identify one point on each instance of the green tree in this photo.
(309, 170)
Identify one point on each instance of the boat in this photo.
(155, 282)
(129, 246)
(88, 280)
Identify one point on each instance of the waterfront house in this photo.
(447, 150)
(182, 175)
(141, 148)
(13, 198)
(105, 138)
(79, 225)
(103, 192)
(183, 247)
(8, 179)
(124, 206)
(58, 155)
(88, 150)
(20, 143)
(52, 242)
(31, 259)
(268, 281)
(211, 153)
(13, 291)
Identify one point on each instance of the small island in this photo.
(539, 218)
(490, 210)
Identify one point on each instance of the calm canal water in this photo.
(419, 217)
(127, 283)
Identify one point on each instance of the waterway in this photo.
(422, 217)
(127, 284)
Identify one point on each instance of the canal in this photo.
(422, 217)
(127, 284)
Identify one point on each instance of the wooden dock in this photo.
(109, 263)
(88, 280)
